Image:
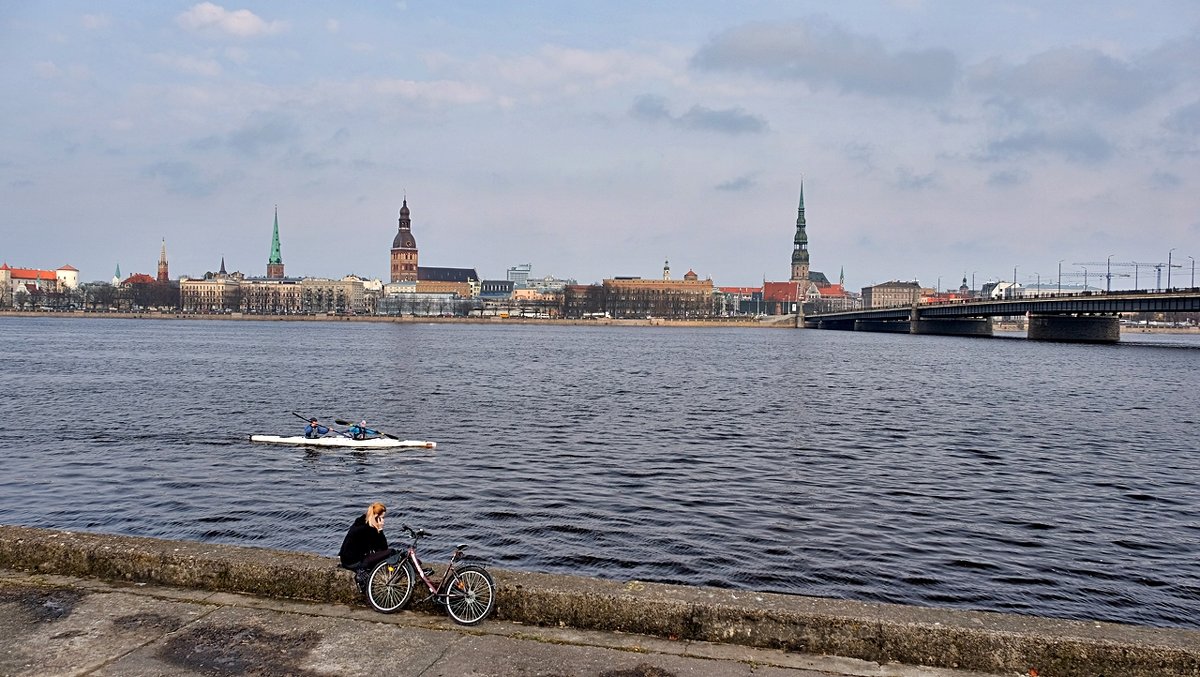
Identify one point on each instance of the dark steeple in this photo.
(800, 251)
(404, 238)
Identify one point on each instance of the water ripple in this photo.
(1048, 479)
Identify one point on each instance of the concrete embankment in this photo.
(986, 642)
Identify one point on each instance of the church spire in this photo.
(800, 249)
(275, 263)
(163, 275)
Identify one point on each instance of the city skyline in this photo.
(933, 140)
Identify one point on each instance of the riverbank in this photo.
(773, 322)
(768, 322)
(881, 633)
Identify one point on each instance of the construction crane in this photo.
(1109, 275)
(1109, 265)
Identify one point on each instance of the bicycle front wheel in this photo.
(470, 594)
(390, 586)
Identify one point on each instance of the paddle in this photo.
(387, 435)
(309, 418)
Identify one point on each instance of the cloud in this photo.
(433, 92)
(1186, 120)
(214, 20)
(727, 121)
(189, 64)
(47, 70)
(1074, 145)
(1006, 178)
(182, 178)
(739, 184)
(1161, 180)
(565, 67)
(263, 131)
(1070, 76)
(93, 22)
(822, 54)
(907, 180)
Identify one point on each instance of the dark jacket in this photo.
(361, 540)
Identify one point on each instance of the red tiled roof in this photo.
(780, 291)
(831, 290)
(69, 267)
(739, 290)
(139, 278)
(32, 274)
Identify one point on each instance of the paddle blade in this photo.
(341, 422)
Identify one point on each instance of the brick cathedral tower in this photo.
(404, 250)
(275, 263)
(163, 275)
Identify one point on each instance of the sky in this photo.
(934, 139)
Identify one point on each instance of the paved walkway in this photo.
(54, 625)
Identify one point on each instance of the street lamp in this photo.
(1108, 275)
(1193, 272)
(1169, 268)
(1039, 284)
(973, 283)
(1060, 275)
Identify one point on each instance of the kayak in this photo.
(340, 441)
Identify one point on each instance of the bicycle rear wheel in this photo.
(470, 594)
(390, 586)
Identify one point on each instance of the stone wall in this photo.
(991, 642)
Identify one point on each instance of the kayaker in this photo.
(365, 545)
(360, 431)
(315, 429)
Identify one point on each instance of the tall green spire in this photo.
(275, 256)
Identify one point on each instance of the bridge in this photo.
(1085, 317)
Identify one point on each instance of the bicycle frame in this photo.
(435, 589)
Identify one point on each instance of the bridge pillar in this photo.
(967, 326)
(1085, 329)
(887, 327)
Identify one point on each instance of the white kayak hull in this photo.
(345, 442)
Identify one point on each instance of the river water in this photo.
(990, 474)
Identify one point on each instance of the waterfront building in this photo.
(404, 249)
(582, 300)
(549, 284)
(519, 274)
(634, 297)
(217, 292)
(272, 296)
(496, 290)
(740, 301)
(275, 262)
(894, 293)
(163, 275)
(436, 280)
(320, 295)
(33, 283)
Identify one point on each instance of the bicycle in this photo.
(468, 591)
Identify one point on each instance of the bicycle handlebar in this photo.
(416, 533)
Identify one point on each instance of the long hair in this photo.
(373, 512)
